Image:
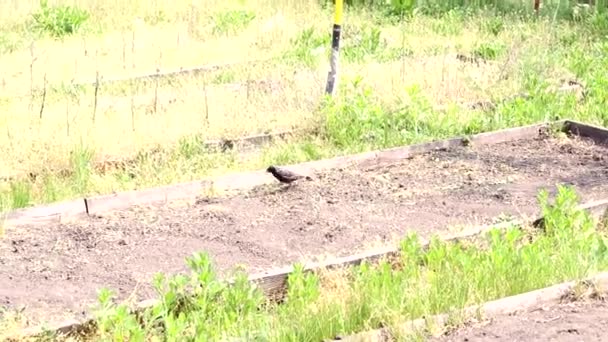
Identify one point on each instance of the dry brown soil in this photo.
(569, 322)
(57, 269)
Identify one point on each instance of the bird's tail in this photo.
(308, 178)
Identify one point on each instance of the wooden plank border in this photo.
(45, 214)
(273, 283)
(95, 205)
(504, 306)
(248, 180)
(596, 133)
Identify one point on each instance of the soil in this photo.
(568, 322)
(55, 270)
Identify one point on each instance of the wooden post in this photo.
(335, 49)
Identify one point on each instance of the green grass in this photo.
(444, 278)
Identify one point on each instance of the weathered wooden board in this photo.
(182, 71)
(248, 180)
(596, 133)
(123, 200)
(56, 212)
(273, 283)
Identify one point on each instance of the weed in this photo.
(231, 22)
(360, 122)
(58, 21)
(21, 193)
(9, 42)
(489, 50)
(308, 46)
(81, 160)
(363, 45)
(494, 25)
(189, 147)
(227, 76)
(156, 17)
(115, 322)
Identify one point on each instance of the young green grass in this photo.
(446, 277)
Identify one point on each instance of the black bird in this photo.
(285, 176)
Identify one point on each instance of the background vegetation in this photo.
(408, 69)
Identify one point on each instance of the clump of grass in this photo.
(489, 50)
(361, 121)
(445, 277)
(81, 160)
(232, 21)
(58, 21)
(21, 194)
(364, 44)
(308, 46)
(9, 42)
(494, 25)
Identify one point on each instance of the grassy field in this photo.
(444, 278)
(400, 82)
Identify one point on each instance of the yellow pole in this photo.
(335, 47)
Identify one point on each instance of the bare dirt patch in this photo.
(55, 269)
(576, 321)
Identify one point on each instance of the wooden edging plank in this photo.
(45, 214)
(55, 212)
(596, 133)
(163, 194)
(248, 180)
(181, 71)
(504, 306)
(273, 283)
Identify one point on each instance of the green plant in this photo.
(58, 21)
(81, 162)
(489, 50)
(9, 42)
(363, 44)
(308, 46)
(494, 25)
(115, 322)
(359, 121)
(231, 22)
(21, 194)
(191, 146)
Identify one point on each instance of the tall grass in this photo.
(443, 278)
